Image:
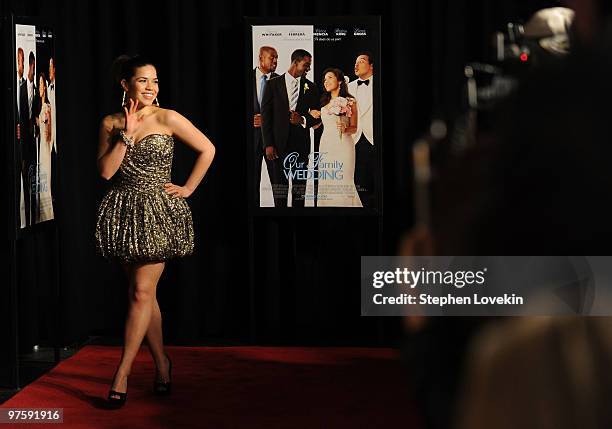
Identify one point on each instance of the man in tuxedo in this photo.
(268, 59)
(362, 89)
(21, 131)
(30, 150)
(51, 87)
(51, 97)
(286, 124)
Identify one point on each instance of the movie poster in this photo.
(35, 122)
(315, 113)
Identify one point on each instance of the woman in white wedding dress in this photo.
(336, 162)
(45, 205)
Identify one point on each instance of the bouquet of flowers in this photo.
(341, 106)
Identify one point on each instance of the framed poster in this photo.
(313, 115)
(33, 127)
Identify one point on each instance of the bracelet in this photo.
(128, 141)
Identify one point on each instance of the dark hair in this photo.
(326, 97)
(20, 52)
(299, 54)
(31, 58)
(125, 66)
(368, 54)
(44, 78)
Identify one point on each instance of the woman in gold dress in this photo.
(144, 220)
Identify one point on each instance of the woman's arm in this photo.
(185, 131)
(351, 128)
(49, 129)
(110, 155)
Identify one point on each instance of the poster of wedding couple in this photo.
(34, 123)
(314, 134)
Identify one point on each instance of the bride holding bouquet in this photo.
(336, 161)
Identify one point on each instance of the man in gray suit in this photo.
(268, 59)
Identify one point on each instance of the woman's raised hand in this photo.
(132, 121)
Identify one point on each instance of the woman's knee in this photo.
(143, 293)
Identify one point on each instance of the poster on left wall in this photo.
(35, 122)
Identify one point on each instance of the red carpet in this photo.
(231, 387)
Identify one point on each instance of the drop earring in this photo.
(156, 102)
(123, 100)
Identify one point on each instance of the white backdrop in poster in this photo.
(285, 39)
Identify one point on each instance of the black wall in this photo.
(198, 47)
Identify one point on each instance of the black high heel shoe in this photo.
(117, 399)
(164, 388)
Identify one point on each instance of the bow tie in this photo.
(51, 86)
(359, 82)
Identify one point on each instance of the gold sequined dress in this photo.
(137, 219)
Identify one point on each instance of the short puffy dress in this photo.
(138, 221)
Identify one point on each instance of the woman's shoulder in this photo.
(165, 114)
(114, 120)
(169, 117)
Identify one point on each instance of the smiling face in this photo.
(303, 66)
(143, 86)
(20, 63)
(268, 60)
(42, 87)
(330, 82)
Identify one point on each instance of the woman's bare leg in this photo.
(143, 280)
(154, 338)
(155, 341)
